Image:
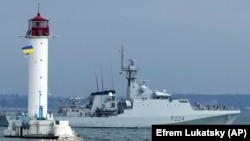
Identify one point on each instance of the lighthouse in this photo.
(37, 123)
(37, 51)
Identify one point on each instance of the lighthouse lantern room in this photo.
(38, 26)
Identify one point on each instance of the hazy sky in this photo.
(183, 46)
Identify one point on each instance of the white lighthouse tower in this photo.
(38, 35)
(37, 123)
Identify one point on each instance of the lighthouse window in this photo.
(40, 23)
(35, 24)
(43, 23)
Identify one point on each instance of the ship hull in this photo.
(147, 122)
(146, 113)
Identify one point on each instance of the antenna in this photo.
(38, 7)
(112, 78)
(122, 56)
(96, 82)
(102, 81)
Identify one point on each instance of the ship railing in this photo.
(183, 100)
(214, 107)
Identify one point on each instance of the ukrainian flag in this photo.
(28, 49)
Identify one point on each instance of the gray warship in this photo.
(141, 108)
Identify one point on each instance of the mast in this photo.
(122, 56)
(131, 75)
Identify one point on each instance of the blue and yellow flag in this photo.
(28, 49)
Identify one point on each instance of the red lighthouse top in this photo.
(38, 26)
(38, 17)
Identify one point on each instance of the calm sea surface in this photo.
(130, 134)
(119, 134)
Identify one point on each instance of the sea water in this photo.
(120, 134)
(129, 134)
